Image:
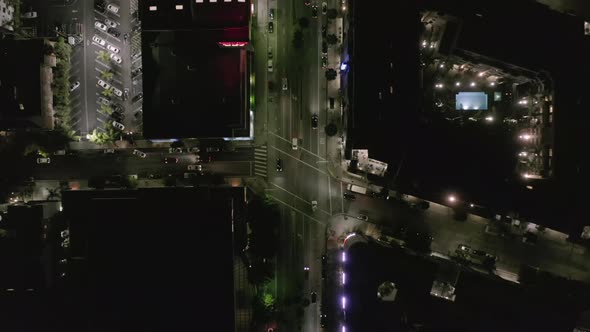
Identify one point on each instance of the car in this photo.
(136, 72)
(99, 5)
(116, 58)
(137, 97)
(314, 121)
(104, 84)
(116, 91)
(174, 150)
(100, 26)
(195, 167)
(109, 150)
(306, 2)
(74, 86)
(118, 125)
(306, 272)
(270, 27)
(99, 40)
(114, 32)
(279, 165)
(112, 48)
(362, 217)
(271, 14)
(314, 205)
(43, 160)
(324, 8)
(212, 149)
(118, 116)
(314, 11)
(324, 48)
(117, 108)
(139, 153)
(104, 101)
(294, 143)
(110, 23)
(324, 62)
(349, 197)
(270, 53)
(170, 160)
(113, 8)
(270, 67)
(314, 297)
(285, 87)
(125, 94)
(324, 31)
(194, 149)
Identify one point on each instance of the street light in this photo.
(457, 83)
(343, 302)
(472, 84)
(489, 118)
(471, 205)
(452, 199)
(492, 84)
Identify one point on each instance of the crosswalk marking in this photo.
(261, 161)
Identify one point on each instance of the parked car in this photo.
(314, 121)
(279, 165)
(194, 149)
(285, 87)
(117, 92)
(270, 27)
(139, 153)
(174, 150)
(324, 62)
(109, 150)
(104, 84)
(116, 58)
(324, 8)
(362, 217)
(113, 8)
(100, 26)
(74, 86)
(118, 116)
(110, 23)
(137, 97)
(314, 205)
(118, 125)
(99, 40)
(112, 48)
(170, 160)
(314, 11)
(349, 197)
(212, 149)
(104, 101)
(114, 32)
(195, 168)
(324, 48)
(43, 160)
(117, 108)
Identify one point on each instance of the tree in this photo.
(331, 74)
(304, 22)
(106, 109)
(332, 39)
(103, 56)
(107, 75)
(298, 39)
(331, 129)
(332, 13)
(107, 92)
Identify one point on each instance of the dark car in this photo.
(324, 31)
(279, 165)
(137, 97)
(114, 32)
(307, 2)
(314, 11)
(170, 160)
(349, 197)
(314, 297)
(324, 259)
(324, 48)
(118, 116)
(117, 108)
(324, 62)
(314, 121)
(271, 27)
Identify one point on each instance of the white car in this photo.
(314, 205)
(74, 86)
(195, 168)
(194, 149)
(100, 26)
(113, 8)
(285, 87)
(139, 153)
(116, 58)
(324, 8)
(104, 101)
(116, 91)
(174, 150)
(43, 160)
(110, 23)
(99, 40)
(112, 48)
(118, 125)
(104, 84)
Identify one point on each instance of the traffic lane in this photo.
(230, 167)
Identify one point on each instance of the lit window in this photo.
(153, 8)
(199, 1)
(241, 0)
(179, 7)
(212, 0)
(226, 0)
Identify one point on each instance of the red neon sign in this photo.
(232, 44)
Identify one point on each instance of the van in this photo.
(294, 143)
(331, 103)
(270, 65)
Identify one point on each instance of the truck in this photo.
(356, 189)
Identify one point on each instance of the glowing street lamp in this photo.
(457, 83)
(489, 118)
(343, 302)
(472, 84)
(452, 198)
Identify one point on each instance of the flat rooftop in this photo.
(158, 259)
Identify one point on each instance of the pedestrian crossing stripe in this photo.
(261, 161)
